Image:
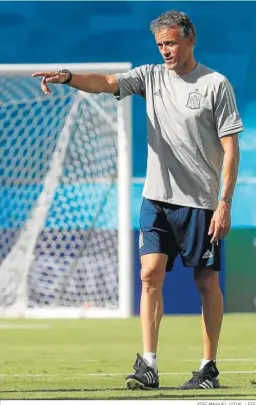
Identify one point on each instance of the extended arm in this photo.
(120, 84)
(88, 82)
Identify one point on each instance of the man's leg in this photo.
(207, 281)
(153, 267)
(157, 247)
(197, 251)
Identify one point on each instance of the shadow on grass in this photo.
(143, 394)
(206, 396)
(162, 388)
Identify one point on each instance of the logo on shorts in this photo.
(194, 99)
(207, 255)
(141, 241)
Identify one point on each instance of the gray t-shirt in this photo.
(186, 116)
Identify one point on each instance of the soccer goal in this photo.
(65, 171)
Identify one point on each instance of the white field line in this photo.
(64, 360)
(24, 326)
(59, 360)
(109, 374)
(222, 360)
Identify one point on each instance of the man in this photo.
(193, 124)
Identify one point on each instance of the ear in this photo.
(191, 40)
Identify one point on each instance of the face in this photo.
(176, 50)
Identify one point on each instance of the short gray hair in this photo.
(172, 18)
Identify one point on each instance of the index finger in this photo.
(211, 227)
(216, 235)
(44, 74)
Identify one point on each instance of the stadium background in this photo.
(61, 32)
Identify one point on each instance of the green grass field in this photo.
(88, 359)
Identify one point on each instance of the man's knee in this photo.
(152, 277)
(153, 268)
(207, 280)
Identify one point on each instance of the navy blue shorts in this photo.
(174, 229)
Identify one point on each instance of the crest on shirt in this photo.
(194, 99)
(157, 92)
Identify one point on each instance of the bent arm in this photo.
(230, 165)
(221, 221)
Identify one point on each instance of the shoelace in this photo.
(140, 365)
(196, 376)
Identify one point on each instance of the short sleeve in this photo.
(132, 82)
(227, 117)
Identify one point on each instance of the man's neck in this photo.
(188, 67)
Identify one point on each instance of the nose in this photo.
(166, 49)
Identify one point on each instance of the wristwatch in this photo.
(227, 200)
(69, 75)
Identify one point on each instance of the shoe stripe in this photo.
(148, 377)
(210, 383)
(207, 384)
(203, 385)
(152, 376)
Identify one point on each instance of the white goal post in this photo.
(65, 182)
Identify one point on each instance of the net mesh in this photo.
(58, 197)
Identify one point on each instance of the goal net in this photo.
(65, 242)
